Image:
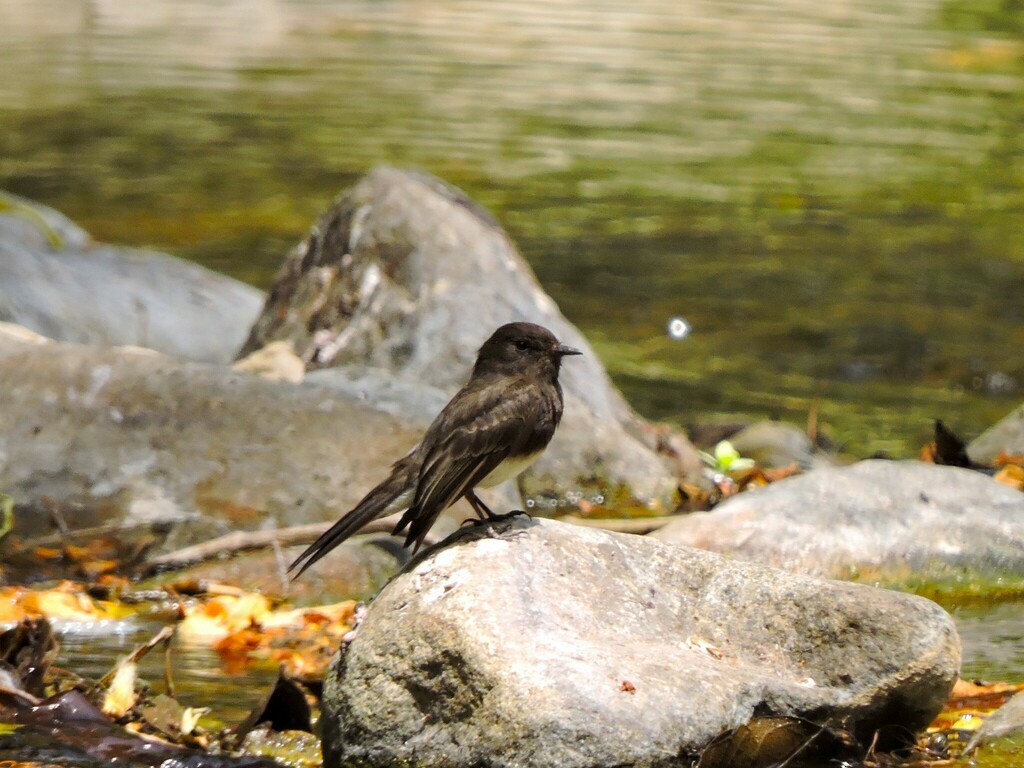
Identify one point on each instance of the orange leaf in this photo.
(1011, 475)
(1004, 459)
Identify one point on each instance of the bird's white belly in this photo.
(508, 469)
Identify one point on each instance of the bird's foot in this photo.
(487, 522)
(514, 513)
(495, 518)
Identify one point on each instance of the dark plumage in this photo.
(493, 428)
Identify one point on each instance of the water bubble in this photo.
(530, 503)
(678, 328)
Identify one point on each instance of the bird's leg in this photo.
(482, 510)
(485, 513)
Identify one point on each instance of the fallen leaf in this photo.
(980, 696)
(190, 718)
(211, 622)
(27, 650)
(120, 696)
(57, 604)
(1011, 475)
(1004, 459)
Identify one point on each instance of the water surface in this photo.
(830, 193)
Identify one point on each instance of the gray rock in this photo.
(1006, 435)
(1005, 721)
(56, 281)
(872, 519)
(129, 437)
(408, 400)
(545, 644)
(405, 275)
(777, 444)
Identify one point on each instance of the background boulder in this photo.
(55, 280)
(888, 519)
(405, 275)
(128, 437)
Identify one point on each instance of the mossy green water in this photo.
(835, 211)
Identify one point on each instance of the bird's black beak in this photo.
(563, 350)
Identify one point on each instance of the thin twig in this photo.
(25, 696)
(240, 541)
(802, 747)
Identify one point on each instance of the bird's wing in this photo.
(469, 449)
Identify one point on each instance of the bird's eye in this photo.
(522, 345)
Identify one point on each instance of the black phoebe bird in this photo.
(493, 429)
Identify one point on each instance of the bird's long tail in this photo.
(385, 499)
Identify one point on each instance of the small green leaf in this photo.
(726, 459)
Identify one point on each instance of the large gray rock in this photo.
(872, 519)
(1005, 436)
(545, 644)
(405, 275)
(55, 280)
(118, 436)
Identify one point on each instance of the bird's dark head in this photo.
(522, 348)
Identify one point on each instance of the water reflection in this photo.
(828, 192)
(993, 641)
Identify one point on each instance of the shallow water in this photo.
(199, 675)
(993, 641)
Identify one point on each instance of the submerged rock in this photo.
(55, 280)
(875, 519)
(405, 275)
(543, 644)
